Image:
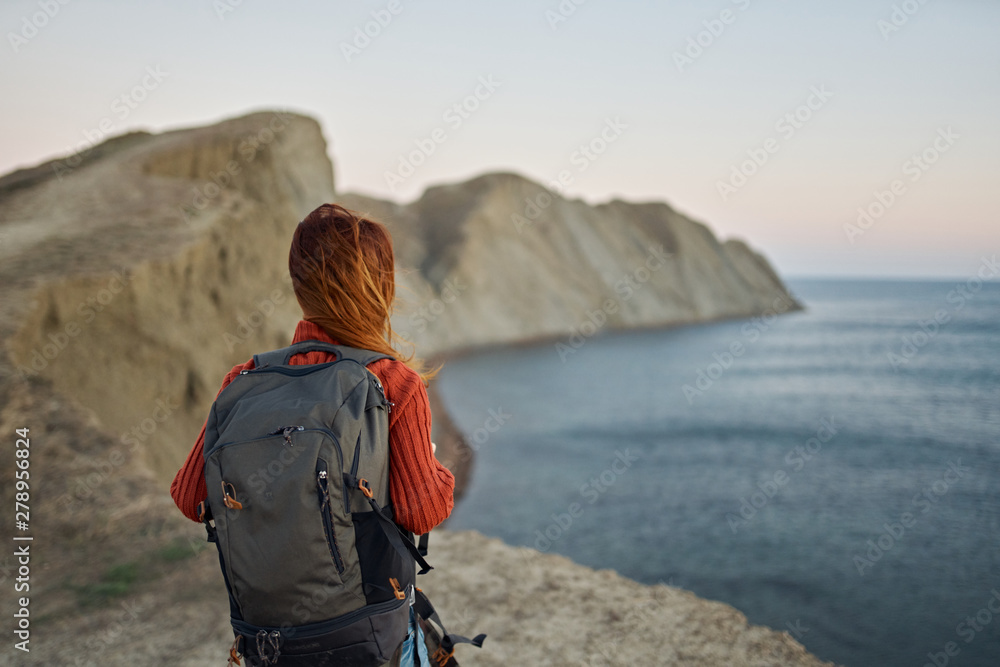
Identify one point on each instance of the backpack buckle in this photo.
(230, 500)
(396, 590)
(441, 656)
(234, 652)
(365, 488)
(205, 516)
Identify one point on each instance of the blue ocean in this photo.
(834, 473)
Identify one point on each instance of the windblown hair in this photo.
(343, 275)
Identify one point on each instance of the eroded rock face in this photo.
(139, 277)
(499, 258)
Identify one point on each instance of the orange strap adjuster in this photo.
(234, 653)
(397, 591)
(442, 657)
(230, 500)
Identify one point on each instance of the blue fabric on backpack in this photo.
(414, 636)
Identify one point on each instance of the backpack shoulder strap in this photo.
(281, 357)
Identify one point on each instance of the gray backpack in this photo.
(297, 470)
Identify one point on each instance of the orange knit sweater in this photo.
(421, 489)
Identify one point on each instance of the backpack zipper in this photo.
(324, 627)
(322, 483)
(355, 464)
(239, 442)
(301, 369)
(286, 432)
(389, 405)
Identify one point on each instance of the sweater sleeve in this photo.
(421, 488)
(188, 488)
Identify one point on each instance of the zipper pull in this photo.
(321, 479)
(256, 368)
(229, 500)
(385, 399)
(286, 432)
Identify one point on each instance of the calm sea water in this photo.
(815, 482)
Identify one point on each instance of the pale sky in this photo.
(881, 93)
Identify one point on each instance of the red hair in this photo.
(343, 275)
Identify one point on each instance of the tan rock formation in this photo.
(499, 259)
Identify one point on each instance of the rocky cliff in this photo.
(136, 274)
(499, 258)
